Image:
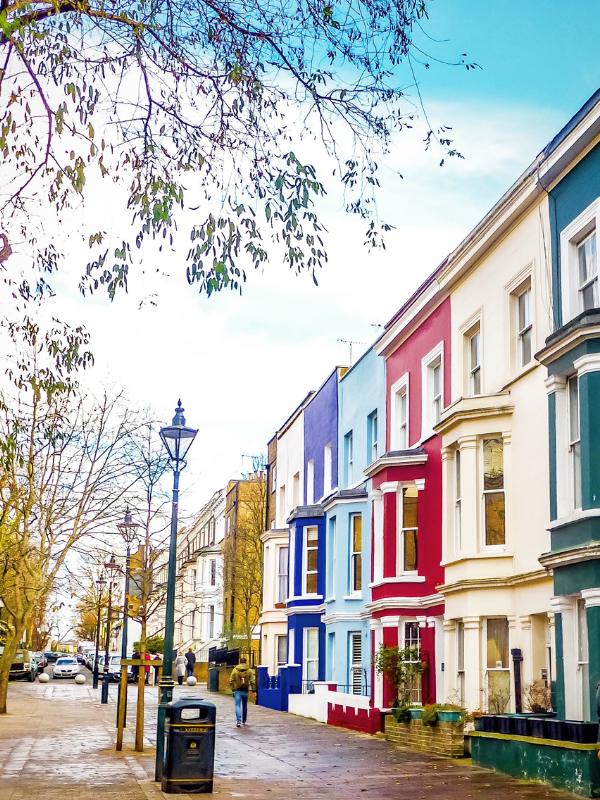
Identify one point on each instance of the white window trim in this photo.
(400, 571)
(426, 402)
(458, 500)
(278, 574)
(305, 530)
(525, 289)
(354, 593)
(327, 468)
(305, 655)
(310, 482)
(331, 558)
(349, 458)
(475, 332)
(396, 388)
(372, 441)
(572, 442)
(570, 237)
(492, 548)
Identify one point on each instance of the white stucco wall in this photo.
(506, 581)
(290, 461)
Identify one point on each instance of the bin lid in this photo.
(190, 702)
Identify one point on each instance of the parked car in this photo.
(24, 666)
(52, 655)
(114, 668)
(42, 661)
(66, 667)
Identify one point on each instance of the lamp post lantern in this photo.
(127, 529)
(177, 439)
(111, 568)
(100, 583)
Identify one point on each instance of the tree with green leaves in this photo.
(203, 118)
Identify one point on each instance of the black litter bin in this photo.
(213, 679)
(190, 751)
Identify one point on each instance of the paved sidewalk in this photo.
(57, 743)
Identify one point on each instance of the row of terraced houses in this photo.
(443, 493)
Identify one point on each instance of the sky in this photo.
(242, 363)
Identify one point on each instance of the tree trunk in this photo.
(6, 659)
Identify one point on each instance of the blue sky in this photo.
(241, 364)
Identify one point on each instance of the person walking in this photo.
(241, 681)
(147, 657)
(135, 670)
(191, 662)
(180, 663)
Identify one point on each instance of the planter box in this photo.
(554, 729)
(520, 726)
(503, 722)
(580, 732)
(442, 739)
(478, 723)
(536, 727)
(416, 713)
(449, 716)
(489, 723)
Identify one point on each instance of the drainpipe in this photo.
(517, 657)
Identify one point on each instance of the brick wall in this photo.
(442, 739)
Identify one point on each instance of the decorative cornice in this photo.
(573, 518)
(591, 597)
(397, 458)
(492, 583)
(339, 616)
(316, 609)
(570, 336)
(274, 533)
(572, 555)
(404, 602)
(472, 408)
(587, 363)
(555, 383)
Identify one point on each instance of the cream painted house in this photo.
(494, 453)
(285, 492)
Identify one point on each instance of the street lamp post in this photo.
(111, 568)
(100, 583)
(177, 438)
(127, 529)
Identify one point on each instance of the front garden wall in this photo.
(443, 739)
(566, 765)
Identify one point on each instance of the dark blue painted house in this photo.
(307, 563)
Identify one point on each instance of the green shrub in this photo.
(430, 716)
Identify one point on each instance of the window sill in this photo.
(482, 554)
(520, 373)
(354, 596)
(399, 579)
(573, 516)
(330, 599)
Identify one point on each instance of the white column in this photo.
(449, 688)
(377, 499)
(526, 645)
(567, 608)
(473, 668)
(470, 484)
(377, 629)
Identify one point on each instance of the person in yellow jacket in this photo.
(241, 681)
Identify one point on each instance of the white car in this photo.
(66, 667)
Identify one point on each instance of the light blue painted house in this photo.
(361, 439)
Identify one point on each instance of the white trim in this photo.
(574, 516)
(407, 578)
(405, 602)
(570, 237)
(395, 389)
(555, 383)
(587, 363)
(291, 611)
(305, 529)
(389, 486)
(409, 315)
(427, 421)
(338, 616)
(591, 597)
(407, 460)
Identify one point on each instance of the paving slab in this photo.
(57, 743)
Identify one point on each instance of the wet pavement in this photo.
(57, 743)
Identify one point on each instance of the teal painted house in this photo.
(361, 439)
(572, 357)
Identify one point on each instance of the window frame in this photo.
(327, 468)
(306, 659)
(399, 434)
(305, 571)
(571, 237)
(527, 328)
(589, 281)
(457, 502)
(401, 530)
(279, 637)
(372, 437)
(310, 482)
(574, 446)
(349, 457)
(485, 438)
(355, 668)
(433, 359)
(282, 575)
(355, 556)
(474, 369)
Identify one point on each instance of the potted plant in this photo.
(450, 712)
(477, 717)
(416, 712)
(401, 713)
(537, 698)
(402, 668)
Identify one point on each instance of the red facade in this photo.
(397, 599)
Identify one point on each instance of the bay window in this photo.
(574, 441)
(493, 492)
(311, 556)
(406, 547)
(355, 553)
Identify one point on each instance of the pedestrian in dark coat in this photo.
(191, 661)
